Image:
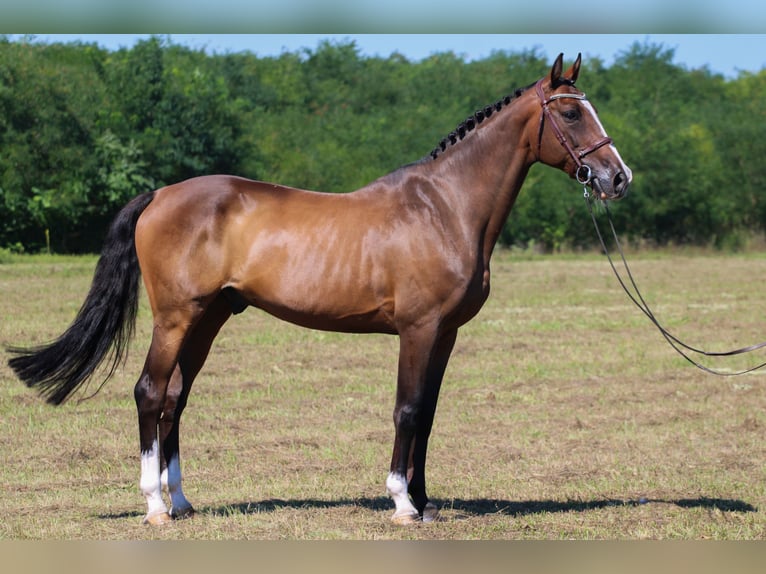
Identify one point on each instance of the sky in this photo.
(358, 16)
(727, 54)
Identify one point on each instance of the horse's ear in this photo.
(556, 69)
(572, 73)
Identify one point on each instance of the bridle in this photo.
(583, 173)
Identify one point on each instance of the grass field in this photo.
(564, 414)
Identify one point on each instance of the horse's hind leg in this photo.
(170, 332)
(193, 356)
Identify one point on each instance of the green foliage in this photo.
(82, 130)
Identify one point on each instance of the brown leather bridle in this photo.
(583, 173)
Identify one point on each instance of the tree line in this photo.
(83, 129)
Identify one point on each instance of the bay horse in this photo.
(408, 254)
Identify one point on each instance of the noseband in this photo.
(583, 174)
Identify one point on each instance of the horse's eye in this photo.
(571, 115)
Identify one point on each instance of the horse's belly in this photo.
(350, 319)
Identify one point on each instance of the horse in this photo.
(407, 255)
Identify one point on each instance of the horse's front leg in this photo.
(415, 404)
(417, 467)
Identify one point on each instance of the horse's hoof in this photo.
(405, 518)
(158, 519)
(182, 513)
(430, 513)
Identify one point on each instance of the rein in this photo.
(679, 346)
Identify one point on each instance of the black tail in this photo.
(103, 326)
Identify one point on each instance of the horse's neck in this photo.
(484, 173)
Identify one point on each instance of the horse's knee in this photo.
(406, 417)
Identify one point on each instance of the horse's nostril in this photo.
(620, 183)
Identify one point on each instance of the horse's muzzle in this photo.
(616, 188)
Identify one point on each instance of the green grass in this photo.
(563, 415)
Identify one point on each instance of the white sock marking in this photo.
(150, 483)
(396, 485)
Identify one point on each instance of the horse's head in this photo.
(570, 136)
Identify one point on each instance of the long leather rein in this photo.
(679, 346)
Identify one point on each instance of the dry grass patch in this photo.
(563, 415)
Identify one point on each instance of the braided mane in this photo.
(472, 121)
